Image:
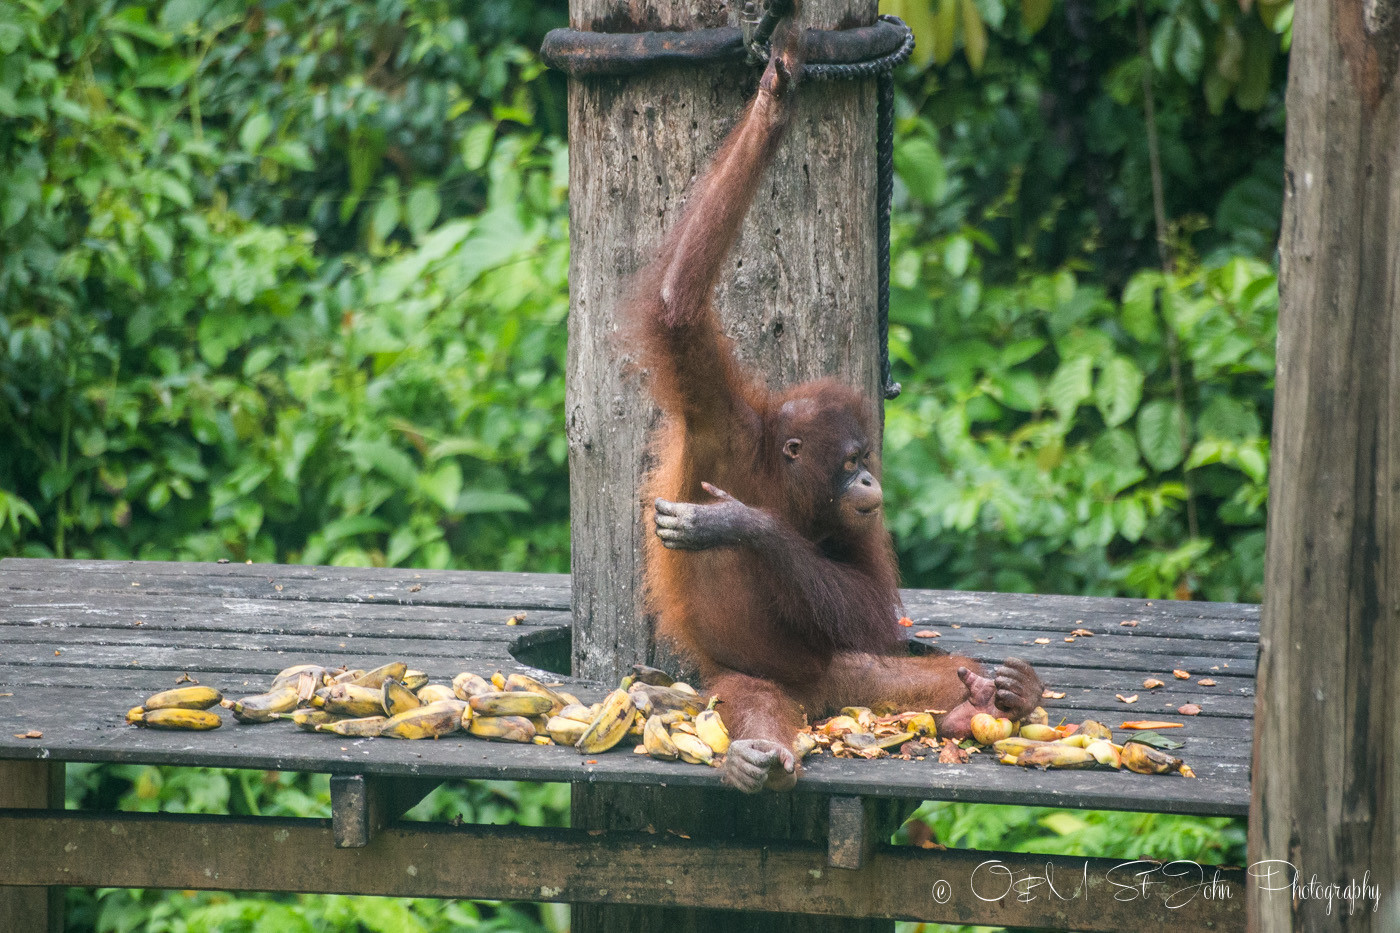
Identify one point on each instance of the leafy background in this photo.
(286, 282)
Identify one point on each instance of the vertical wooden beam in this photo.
(28, 785)
(800, 301)
(362, 805)
(1326, 784)
(850, 831)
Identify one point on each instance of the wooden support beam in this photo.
(522, 863)
(361, 805)
(1327, 819)
(850, 831)
(23, 785)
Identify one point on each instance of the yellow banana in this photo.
(1039, 732)
(657, 741)
(710, 728)
(565, 731)
(1038, 716)
(684, 687)
(610, 725)
(309, 719)
(434, 692)
(467, 685)
(498, 680)
(345, 677)
(692, 750)
(542, 740)
(502, 703)
(502, 728)
(375, 678)
(263, 707)
(351, 700)
(179, 718)
(576, 711)
(1104, 753)
(361, 726)
(184, 698)
(1016, 745)
(804, 745)
(414, 680)
(526, 684)
(293, 676)
(424, 722)
(134, 714)
(397, 698)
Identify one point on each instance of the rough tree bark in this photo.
(800, 300)
(1326, 791)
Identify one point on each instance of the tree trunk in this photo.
(800, 300)
(1326, 791)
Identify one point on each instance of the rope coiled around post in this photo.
(859, 53)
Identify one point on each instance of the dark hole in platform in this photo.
(549, 650)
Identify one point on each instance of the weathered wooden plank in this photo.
(198, 569)
(29, 785)
(362, 805)
(119, 610)
(88, 726)
(511, 599)
(1071, 608)
(431, 860)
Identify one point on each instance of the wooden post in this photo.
(30, 785)
(800, 300)
(1326, 783)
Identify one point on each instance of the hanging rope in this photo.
(832, 55)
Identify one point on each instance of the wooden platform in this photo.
(81, 642)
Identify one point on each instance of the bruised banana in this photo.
(504, 703)
(804, 745)
(424, 722)
(363, 726)
(613, 721)
(1144, 760)
(502, 728)
(1055, 755)
(666, 698)
(565, 731)
(184, 698)
(657, 740)
(710, 728)
(264, 707)
(652, 675)
(434, 692)
(352, 700)
(396, 698)
(394, 670)
(467, 685)
(414, 680)
(692, 749)
(174, 717)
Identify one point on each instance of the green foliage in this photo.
(259, 302)
(287, 281)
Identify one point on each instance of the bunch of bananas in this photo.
(668, 718)
(1086, 745)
